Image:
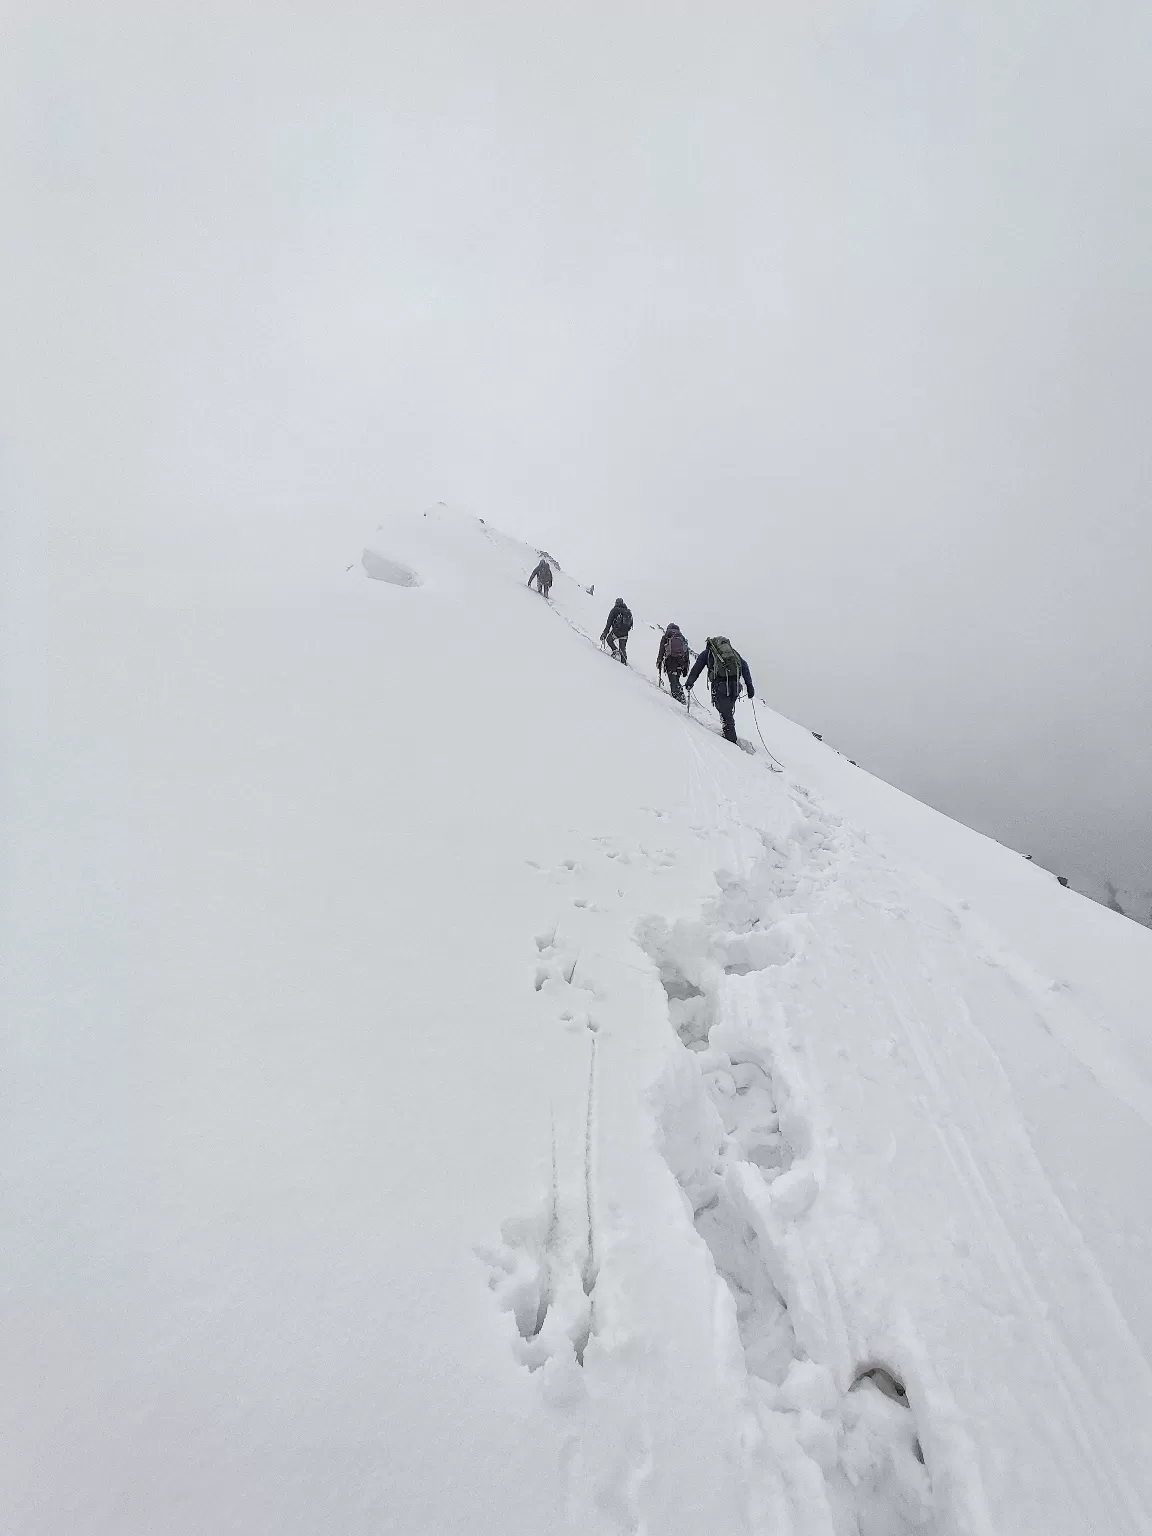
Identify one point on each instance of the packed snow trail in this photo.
(449, 1090)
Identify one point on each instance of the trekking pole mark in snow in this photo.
(590, 1265)
(550, 1236)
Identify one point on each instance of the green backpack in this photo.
(725, 658)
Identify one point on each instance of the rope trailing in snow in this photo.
(760, 733)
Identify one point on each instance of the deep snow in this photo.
(446, 1088)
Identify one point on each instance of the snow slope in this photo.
(447, 1089)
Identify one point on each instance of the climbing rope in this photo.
(760, 733)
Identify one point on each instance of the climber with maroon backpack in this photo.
(673, 658)
(727, 669)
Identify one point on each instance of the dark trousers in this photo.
(618, 645)
(542, 586)
(675, 675)
(725, 703)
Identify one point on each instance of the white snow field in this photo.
(448, 1090)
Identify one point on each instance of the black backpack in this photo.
(677, 647)
(622, 619)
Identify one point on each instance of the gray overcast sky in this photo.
(828, 326)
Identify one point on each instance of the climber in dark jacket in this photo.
(615, 633)
(726, 669)
(542, 576)
(672, 659)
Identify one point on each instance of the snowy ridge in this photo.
(819, 966)
(473, 1098)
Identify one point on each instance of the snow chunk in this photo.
(794, 1192)
(391, 571)
(808, 1386)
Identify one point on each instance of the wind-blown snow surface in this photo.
(447, 1089)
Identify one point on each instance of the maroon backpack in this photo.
(677, 647)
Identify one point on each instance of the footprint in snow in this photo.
(559, 973)
(760, 950)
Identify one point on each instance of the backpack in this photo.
(725, 658)
(622, 620)
(677, 647)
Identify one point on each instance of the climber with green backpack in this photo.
(727, 669)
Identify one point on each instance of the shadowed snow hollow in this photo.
(391, 571)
